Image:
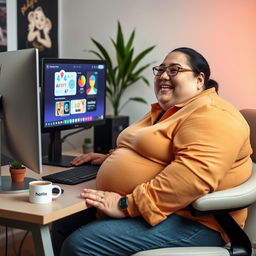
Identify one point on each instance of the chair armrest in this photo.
(238, 197)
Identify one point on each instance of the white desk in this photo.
(16, 211)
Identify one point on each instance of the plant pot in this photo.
(18, 175)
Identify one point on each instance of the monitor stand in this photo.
(55, 149)
(9, 187)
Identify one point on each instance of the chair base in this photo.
(188, 251)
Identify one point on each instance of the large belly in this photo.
(124, 169)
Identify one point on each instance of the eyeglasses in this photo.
(171, 70)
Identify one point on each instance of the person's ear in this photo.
(48, 23)
(200, 80)
(31, 16)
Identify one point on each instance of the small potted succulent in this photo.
(17, 171)
(87, 146)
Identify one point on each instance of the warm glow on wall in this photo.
(224, 31)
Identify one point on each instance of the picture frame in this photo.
(3, 26)
(38, 26)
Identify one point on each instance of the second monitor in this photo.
(73, 96)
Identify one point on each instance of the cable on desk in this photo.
(77, 131)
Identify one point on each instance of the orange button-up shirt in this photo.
(197, 147)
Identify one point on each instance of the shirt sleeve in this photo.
(206, 145)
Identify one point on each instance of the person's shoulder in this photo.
(225, 107)
(213, 102)
(215, 108)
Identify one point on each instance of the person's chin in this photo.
(165, 97)
(165, 101)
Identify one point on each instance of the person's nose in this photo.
(164, 76)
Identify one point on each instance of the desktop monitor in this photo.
(20, 113)
(73, 96)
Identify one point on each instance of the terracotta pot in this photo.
(18, 175)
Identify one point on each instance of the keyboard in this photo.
(75, 175)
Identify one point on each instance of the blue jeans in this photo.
(122, 237)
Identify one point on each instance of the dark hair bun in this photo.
(212, 83)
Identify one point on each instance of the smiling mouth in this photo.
(164, 88)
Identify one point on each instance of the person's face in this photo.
(39, 19)
(172, 90)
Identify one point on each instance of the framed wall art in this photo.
(38, 26)
(3, 27)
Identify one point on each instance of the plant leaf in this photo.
(97, 54)
(137, 73)
(109, 91)
(124, 67)
(146, 81)
(120, 41)
(130, 41)
(103, 52)
(105, 56)
(139, 57)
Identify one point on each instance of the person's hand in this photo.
(93, 158)
(46, 30)
(31, 26)
(47, 26)
(105, 201)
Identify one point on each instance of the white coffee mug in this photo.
(40, 192)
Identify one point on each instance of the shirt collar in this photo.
(156, 108)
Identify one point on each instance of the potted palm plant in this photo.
(123, 71)
(17, 171)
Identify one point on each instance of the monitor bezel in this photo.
(86, 125)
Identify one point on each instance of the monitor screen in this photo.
(73, 95)
(20, 110)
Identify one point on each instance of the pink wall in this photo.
(231, 49)
(224, 31)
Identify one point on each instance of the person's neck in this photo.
(159, 117)
(165, 106)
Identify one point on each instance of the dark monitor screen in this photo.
(73, 95)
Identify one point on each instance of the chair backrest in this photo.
(250, 226)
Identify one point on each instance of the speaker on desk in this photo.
(105, 135)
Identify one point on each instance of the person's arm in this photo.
(93, 158)
(206, 146)
(105, 201)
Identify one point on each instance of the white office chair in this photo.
(219, 204)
